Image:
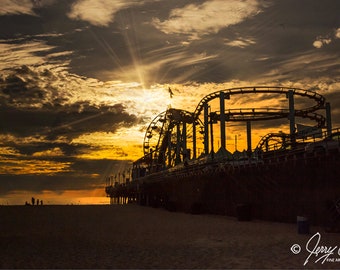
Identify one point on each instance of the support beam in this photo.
(291, 116)
(249, 148)
(184, 135)
(212, 134)
(184, 140)
(194, 139)
(222, 121)
(328, 119)
(206, 129)
(169, 150)
(178, 145)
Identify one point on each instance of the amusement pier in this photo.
(287, 174)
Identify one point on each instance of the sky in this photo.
(81, 80)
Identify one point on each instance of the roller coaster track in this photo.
(257, 114)
(319, 99)
(266, 138)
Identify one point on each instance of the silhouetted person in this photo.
(41, 202)
(33, 201)
(37, 201)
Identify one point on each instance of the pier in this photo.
(285, 175)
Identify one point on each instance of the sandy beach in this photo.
(132, 236)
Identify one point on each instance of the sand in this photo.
(132, 236)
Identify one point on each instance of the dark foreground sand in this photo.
(131, 236)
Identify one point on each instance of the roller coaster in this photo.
(172, 136)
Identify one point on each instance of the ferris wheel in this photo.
(153, 133)
(169, 137)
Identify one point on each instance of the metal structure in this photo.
(168, 141)
(224, 115)
(172, 136)
(273, 141)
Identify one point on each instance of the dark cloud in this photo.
(67, 149)
(69, 121)
(47, 18)
(281, 31)
(28, 109)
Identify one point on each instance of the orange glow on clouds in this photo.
(124, 144)
(32, 166)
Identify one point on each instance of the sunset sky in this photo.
(81, 79)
